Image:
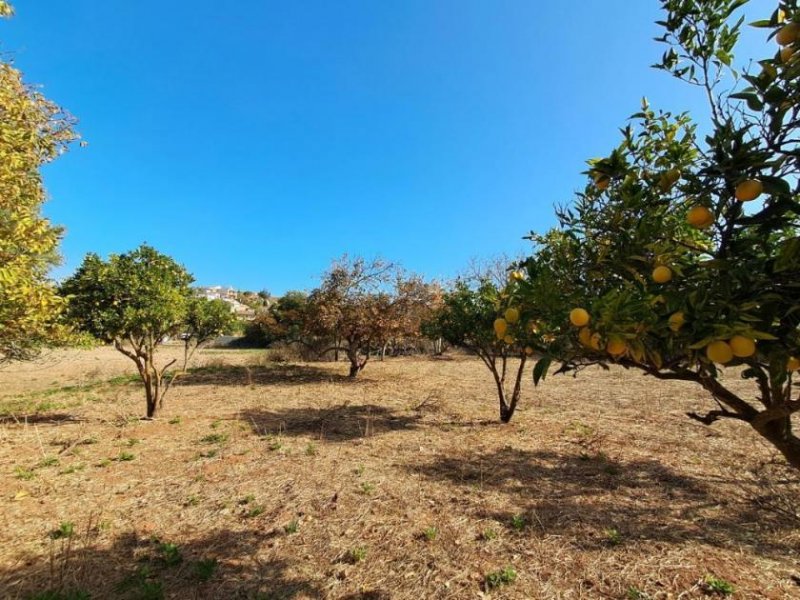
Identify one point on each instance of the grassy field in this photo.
(269, 481)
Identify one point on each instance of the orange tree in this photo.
(488, 320)
(682, 256)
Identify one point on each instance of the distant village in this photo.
(243, 304)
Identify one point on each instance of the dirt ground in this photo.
(264, 480)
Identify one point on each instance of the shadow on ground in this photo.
(591, 497)
(223, 564)
(337, 423)
(40, 419)
(264, 375)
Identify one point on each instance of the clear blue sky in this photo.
(254, 141)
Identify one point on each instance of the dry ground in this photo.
(290, 481)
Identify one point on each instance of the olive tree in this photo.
(134, 301)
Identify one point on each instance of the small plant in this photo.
(89, 441)
(358, 554)
(71, 469)
(275, 445)
(311, 449)
(216, 424)
(635, 593)
(192, 500)
(250, 498)
(205, 569)
(715, 585)
(488, 534)
(48, 461)
(65, 530)
(430, 533)
(519, 522)
(174, 421)
(208, 453)
(125, 457)
(215, 438)
(613, 536)
(103, 463)
(367, 488)
(497, 578)
(132, 442)
(292, 527)
(24, 473)
(359, 470)
(255, 511)
(170, 554)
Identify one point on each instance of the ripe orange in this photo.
(601, 180)
(516, 275)
(579, 317)
(793, 364)
(749, 190)
(589, 339)
(788, 34)
(700, 217)
(742, 346)
(676, 321)
(528, 350)
(509, 339)
(512, 315)
(500, 328)
(616, 347)
(719, 352)
(662, 274)
(786, 53)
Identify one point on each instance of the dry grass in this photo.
(302, 484)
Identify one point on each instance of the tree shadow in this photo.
(591, 497)
(278, 374)
(39, 418)
(222, 564)
(338, 423)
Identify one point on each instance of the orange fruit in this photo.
(749, 190)
(786, 53)
(528, 350)
(668, 179)
(719, 352)
(601, 180)
(616, 347)
(676, 321)
(700, 217)
(788, 34)
(742, 346)
(662, 274)
(589, 339)
(511, 315)
(579, 317)
(509, 339)
(500, 328)
(793, 364)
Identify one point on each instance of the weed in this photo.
(367, 488)
(208, 453)
(103, 463)
(275, 445)
(248, 499)
(132, 442)
(89, 441)
(72, 469)
(65, 530)
(358, 554)
(174, 421)
(255, 511)
(359, 470)
(48, 461)
(205, 569)
(430, 533)
(715, 585)
(24, 473)
(488, 534)
(216, 424)
(292, 527)
(519, 522)
(311, 449)
(125, 457)
(497, 578)
(215, 438)
(192, 501)
(635, 593)
(613, 536)
(170, 554)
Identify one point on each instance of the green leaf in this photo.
(540, 369)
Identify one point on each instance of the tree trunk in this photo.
(383, 351)
(779, 433)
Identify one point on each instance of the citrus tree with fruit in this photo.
(682, 255)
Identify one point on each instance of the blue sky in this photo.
(255, 141)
